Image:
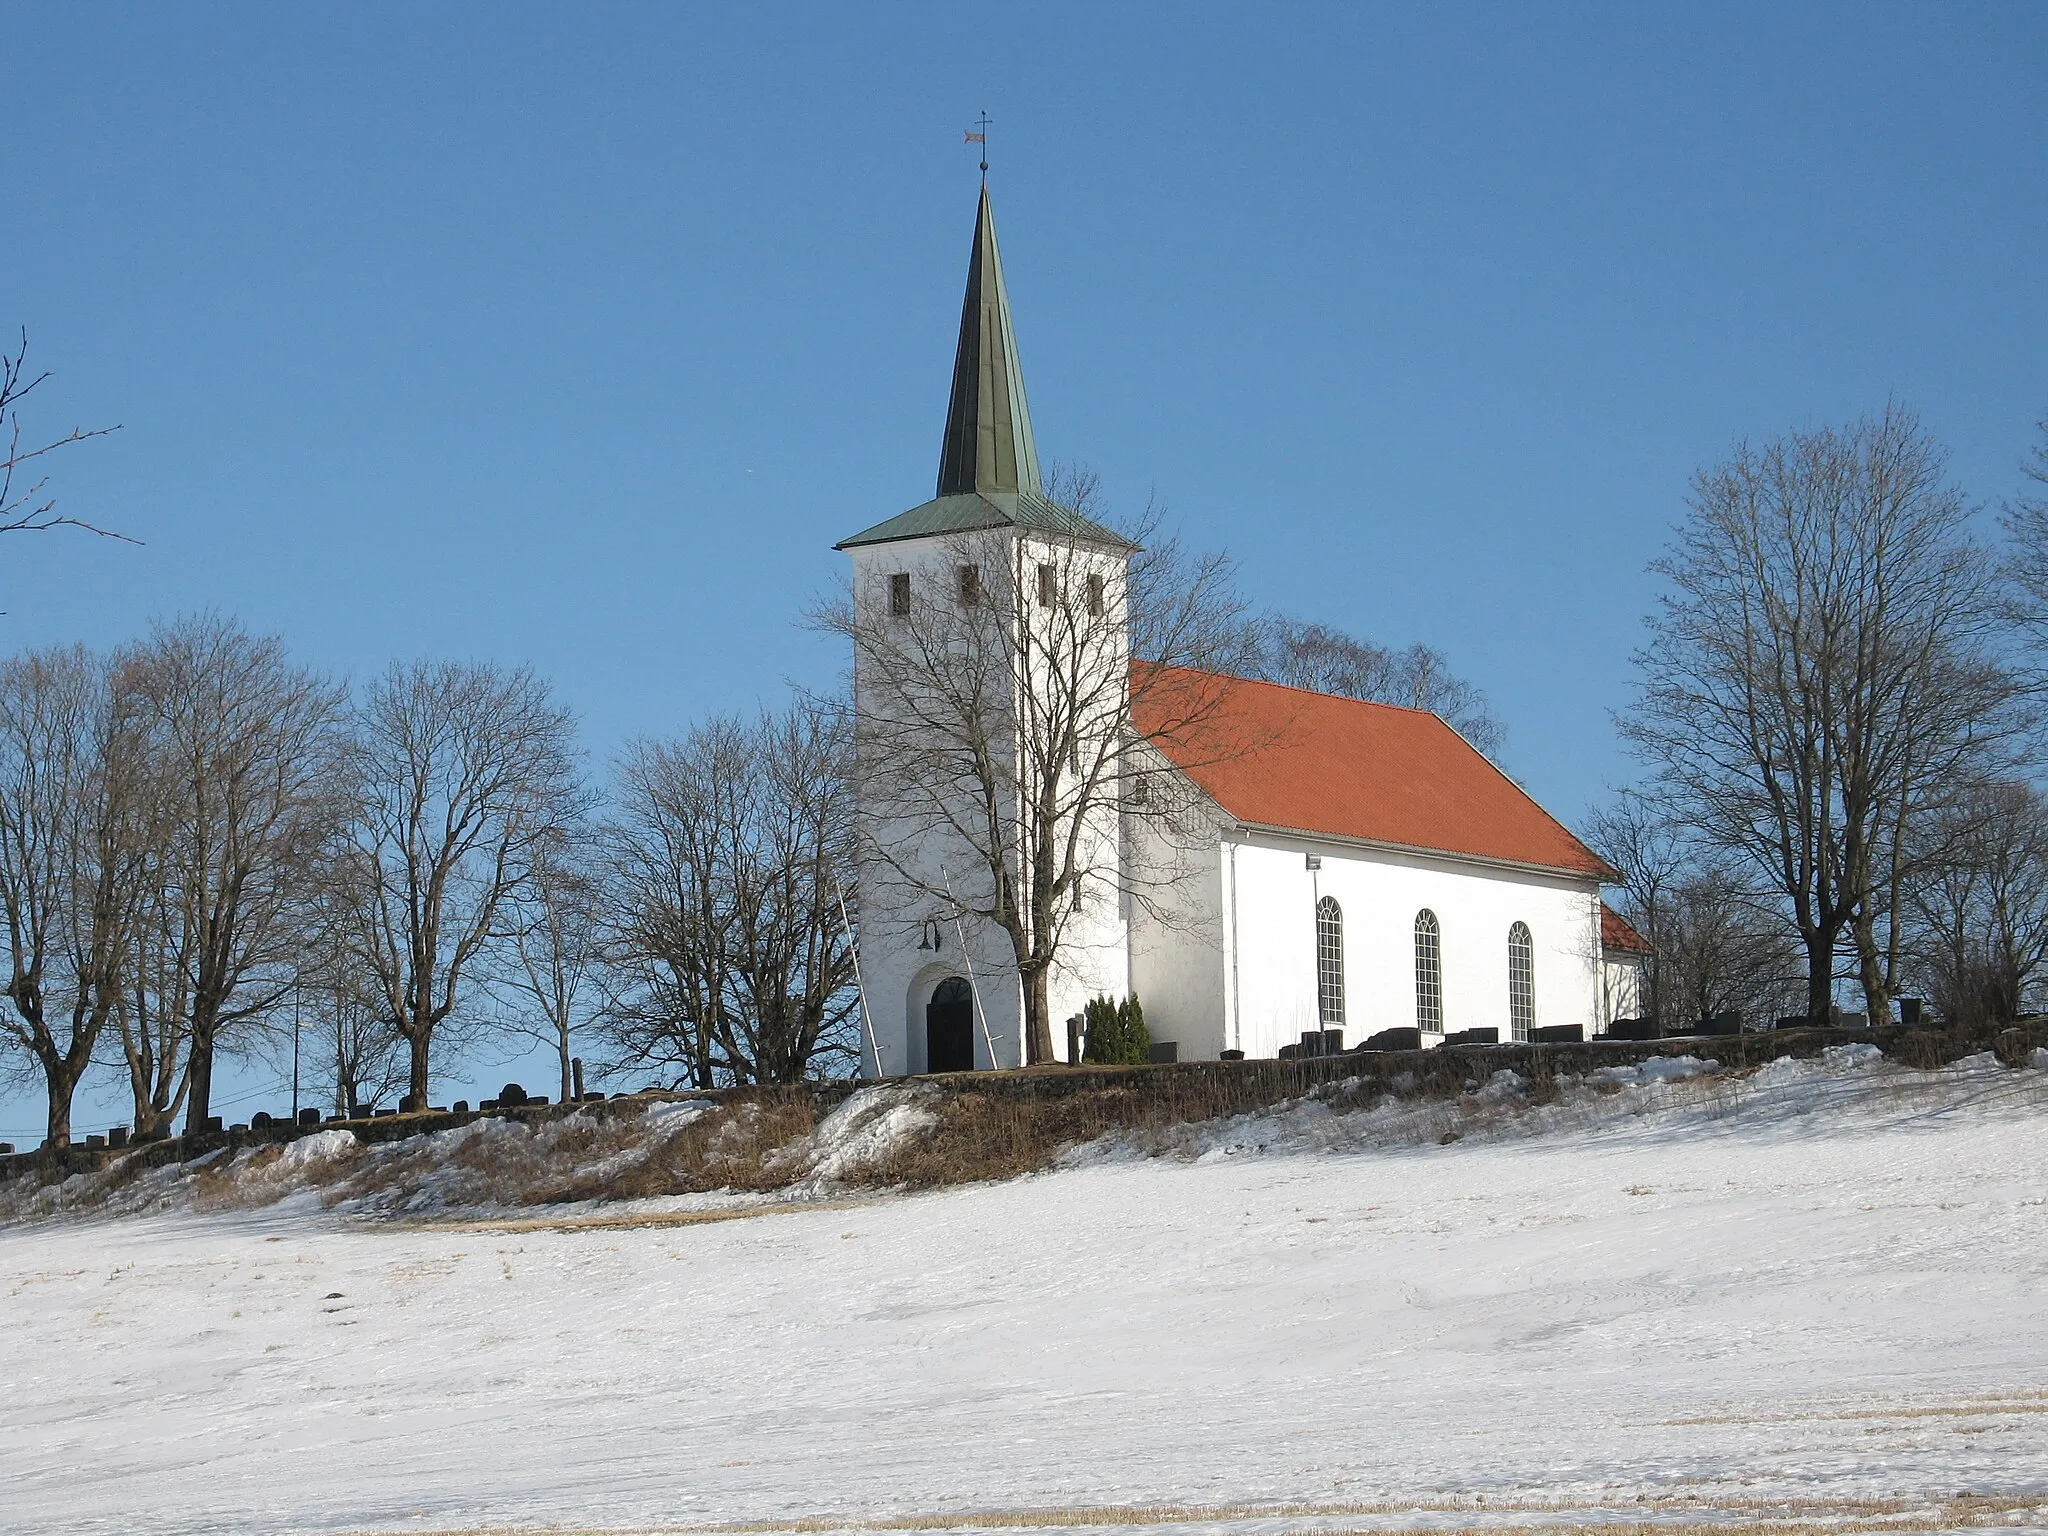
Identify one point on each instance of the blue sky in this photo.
(576, 335)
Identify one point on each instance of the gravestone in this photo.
(1488, 1034)
(1632, 1029)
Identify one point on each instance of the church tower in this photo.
(991, 660)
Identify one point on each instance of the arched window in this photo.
(1330, 963)
(1521, 982)
(1429, 973)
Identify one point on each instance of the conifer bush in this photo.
(1116, 1033)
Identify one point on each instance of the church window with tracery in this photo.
(1330, 963)
(1429, 973)
(1521, 982)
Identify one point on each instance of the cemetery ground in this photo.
(1803, 1298)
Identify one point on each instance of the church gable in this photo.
(1292, 760)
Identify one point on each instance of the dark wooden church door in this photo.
(949, 1028)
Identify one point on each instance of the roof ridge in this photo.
(1317, 693)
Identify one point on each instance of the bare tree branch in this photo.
(28, 508)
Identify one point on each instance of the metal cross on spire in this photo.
(981, 138)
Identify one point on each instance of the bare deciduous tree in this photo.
(27, 507)
(1980, 903)
(245, 752)
(75, 846)
(1647, 850)
(1727, 950)
(2026, 525)
(1821, 672)
(555, 948)
(1716, 945)
(1328, 661)
(729, 855)
(464, 774)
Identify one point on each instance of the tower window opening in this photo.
(1095, 591)
(1330, 963)
(1429, 973)
(899, 594)
(970, 586)
(1521, 982)
(1048, 586)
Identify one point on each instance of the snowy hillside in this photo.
(1812, 1296)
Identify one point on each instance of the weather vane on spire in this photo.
(981, 138)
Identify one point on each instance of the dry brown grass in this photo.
(733, 1146)
(978, 1136)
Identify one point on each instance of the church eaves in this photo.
(988, 463)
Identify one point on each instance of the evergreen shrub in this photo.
(1116, 1033)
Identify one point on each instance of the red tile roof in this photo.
(1617, 932)
(1312, 762)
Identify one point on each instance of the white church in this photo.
(1330, 869)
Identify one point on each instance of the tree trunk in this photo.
(1037, 1026)
(199, 1084)
(420, 1039)
(62, 1083)
(568, 1072)
(1820, 976)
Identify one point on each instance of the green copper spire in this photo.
(988, 426)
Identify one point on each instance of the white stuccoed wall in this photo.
(1259, 948)
(897, 977)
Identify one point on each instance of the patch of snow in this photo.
(871, 1124)
(320, 1147)
(1658, 1069)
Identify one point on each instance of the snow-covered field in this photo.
(1813, 1298)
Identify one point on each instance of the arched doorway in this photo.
(949, 1027)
